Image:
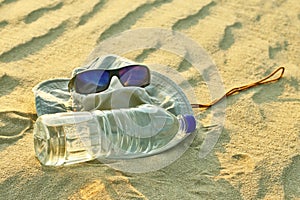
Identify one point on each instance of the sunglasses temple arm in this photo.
(71, 84)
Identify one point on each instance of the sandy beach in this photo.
(257, 155)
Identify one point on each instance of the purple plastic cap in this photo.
(190, 122)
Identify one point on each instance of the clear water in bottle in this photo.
(72, 137)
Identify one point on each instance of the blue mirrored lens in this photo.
(134, 76)
(92, 81)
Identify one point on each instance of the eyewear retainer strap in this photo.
(244, 87)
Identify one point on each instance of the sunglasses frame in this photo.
(112, 73)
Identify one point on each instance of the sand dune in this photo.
(257, 155)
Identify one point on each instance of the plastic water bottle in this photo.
(73, 137)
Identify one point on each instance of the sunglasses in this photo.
(98, 80)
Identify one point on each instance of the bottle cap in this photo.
(190, 123)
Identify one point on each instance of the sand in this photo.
(258, 153)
